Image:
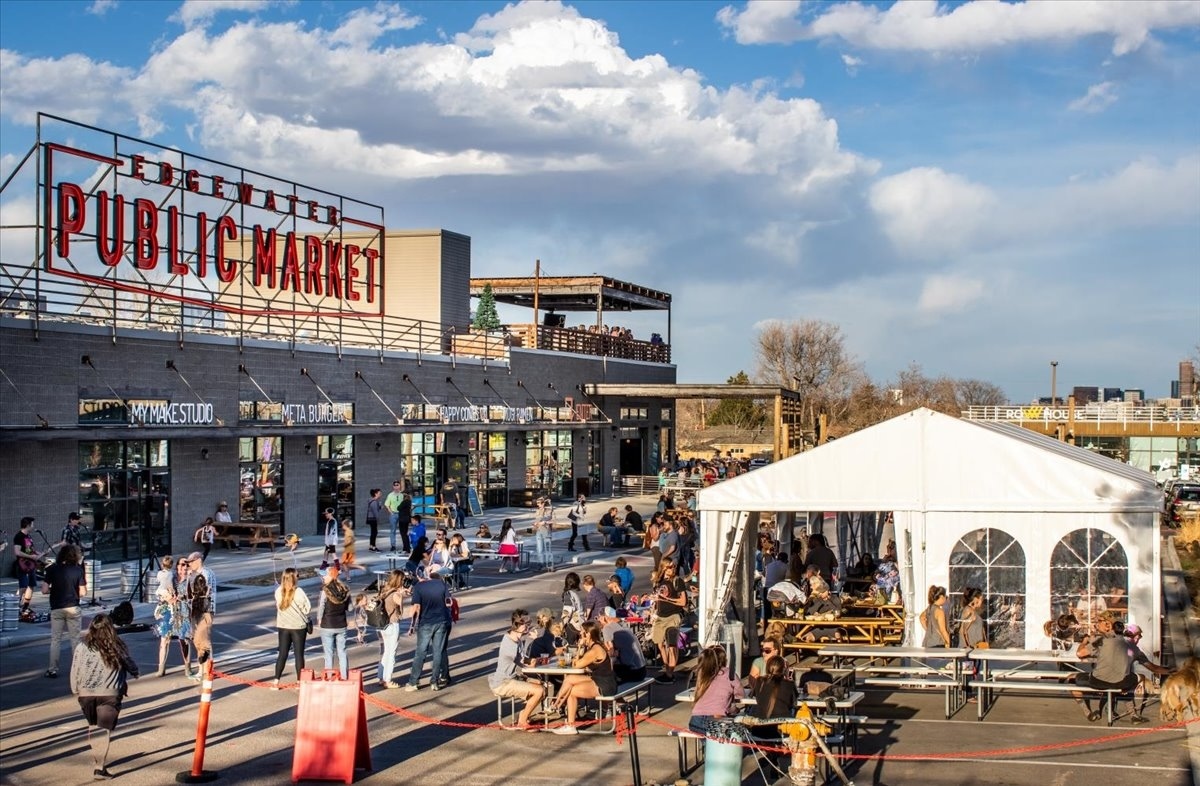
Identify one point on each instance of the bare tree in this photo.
(977, 393)
(811, 357)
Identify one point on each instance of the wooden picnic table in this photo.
(894, 611)
(874, 631)
(252, 533)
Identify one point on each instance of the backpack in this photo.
(377, 616)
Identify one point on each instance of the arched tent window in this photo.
(1089, 573)
(994, 561)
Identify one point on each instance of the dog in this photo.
(1179, 698)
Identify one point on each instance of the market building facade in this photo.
(176, 332)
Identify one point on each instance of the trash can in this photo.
(722, 757)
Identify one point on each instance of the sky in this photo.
(979, 188)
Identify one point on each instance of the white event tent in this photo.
(1038, 524)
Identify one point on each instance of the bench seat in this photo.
(606, 706)
(1035, 686)
(685, 738)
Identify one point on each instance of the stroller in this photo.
(787, 599)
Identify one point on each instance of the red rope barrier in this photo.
(621, 731)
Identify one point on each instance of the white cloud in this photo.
(852, 63)
(763, 22)
(364, 25)
(199, 12)
(51, 85)
(948, 294)
(928, 26)
(1098, 98)
(929, 213)
(101, 7)
(531, 89)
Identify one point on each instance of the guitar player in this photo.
(26, 560)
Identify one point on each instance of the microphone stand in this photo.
(95, 582)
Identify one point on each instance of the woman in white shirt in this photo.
(508, 549)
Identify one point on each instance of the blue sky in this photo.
(978, 188)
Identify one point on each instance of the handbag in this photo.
(308, 626)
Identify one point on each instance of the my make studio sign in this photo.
(155, 221)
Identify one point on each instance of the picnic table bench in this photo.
(910, 668)
(1022, 671)
(486, 549)
(250, 533)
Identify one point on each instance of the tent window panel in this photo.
(994, 561)
(1089, 573)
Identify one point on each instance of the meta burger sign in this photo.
(192, 230)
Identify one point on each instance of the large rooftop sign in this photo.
(146, 220)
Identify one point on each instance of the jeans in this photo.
(699, 723)
(544, 544)
(389, 637)
(63, 621)
(611, 534)
(294, 639)
(434, 636)
(335, 638)
(394, 520)
(462, 570)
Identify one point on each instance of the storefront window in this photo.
(1089, 573)
(487, 455)
(260, 462)
(993, 561)
(124, 497)
(418, 466)
(548, 462)
(335, 475)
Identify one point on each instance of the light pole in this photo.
(1053, 383)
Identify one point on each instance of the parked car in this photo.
(1185, 500)
(755, 463)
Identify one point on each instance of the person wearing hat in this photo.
(629, 664)
(196, 567)
(27, 560)
(1142, 667)
(1113, 667)
(71, 535)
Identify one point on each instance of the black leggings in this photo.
(289, 637)
(374, 525)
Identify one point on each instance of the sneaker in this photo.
(437, 686)
(52, 673)
(1139, 719)
(664, 679)
(274, 684)
(101, 774)
(411, 688)
(567, 729)
(389, 685)
(502, 570)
